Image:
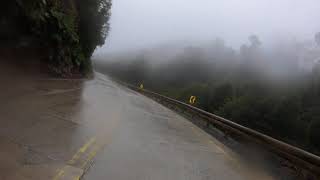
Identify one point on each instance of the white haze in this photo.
(138, 24)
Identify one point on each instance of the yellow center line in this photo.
(74, 158)
(85, 147)
(82, 150)
(60, 174)
(89, 150)
(91, 155)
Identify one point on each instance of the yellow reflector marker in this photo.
(141, 86)
(192, 99)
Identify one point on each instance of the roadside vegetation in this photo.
(273, 90)
(67, 31)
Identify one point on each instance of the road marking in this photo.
(85, 147)
(91, 155)
(68, 173)
(73, 170)
(82, 150)
(75, 157)
(60, 174)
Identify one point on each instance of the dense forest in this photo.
(275, 90)
(67, 31)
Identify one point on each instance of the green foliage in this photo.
(93, 25)
(314, 134)
(70, 29)
(282, 108)
(220, 95)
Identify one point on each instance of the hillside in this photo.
(64, 32)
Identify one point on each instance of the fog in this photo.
(254, 62)
(141, 24)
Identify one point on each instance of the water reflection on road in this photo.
(53, 128)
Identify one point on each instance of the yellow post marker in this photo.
(192, 99)
(141, 86)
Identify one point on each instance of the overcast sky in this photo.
(137, 24)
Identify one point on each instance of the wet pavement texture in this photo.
(97, 129)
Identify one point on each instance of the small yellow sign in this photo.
(192, 99)
(141, 86)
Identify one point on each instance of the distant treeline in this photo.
(67, 30)
(274, 91)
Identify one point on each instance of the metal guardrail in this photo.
(296, 156)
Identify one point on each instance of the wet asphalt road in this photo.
(152, 142)
(61, 129)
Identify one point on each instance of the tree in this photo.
(70, 30)
(94, 25)
(254, 41)
(220, 96)
(314, 134)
